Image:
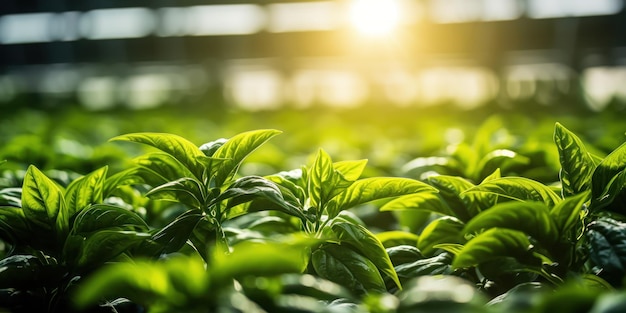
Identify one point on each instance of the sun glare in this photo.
(374, 17)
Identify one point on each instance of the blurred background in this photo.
(383, 79)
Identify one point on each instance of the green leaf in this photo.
(451, 189)
(531, 218)
(502, 159)
(366, 244)
(174, 235)
(446, 229)
(577, 164)
(104, 245)
(606, 171)
(348, 268)
(519, 188)
(419, 201)
(180, 148)
(607, 248)
(613, 196)
(158, 168)
(248, 188)
(235, 150)
(322, 180)
(493, 244)
(259, 259)
(569, 212)
(351, 170)
(26, 272)
(85, 191)
(369, 189)
(102, 216)
(13, 225)
(43, 203)
(185, 190)
(130, 176)
(394, 238)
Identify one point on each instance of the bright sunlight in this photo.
(374, 18)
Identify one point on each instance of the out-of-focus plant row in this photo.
(353, 213)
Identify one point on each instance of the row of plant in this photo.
(180, 230)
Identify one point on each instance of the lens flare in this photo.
(375, 18)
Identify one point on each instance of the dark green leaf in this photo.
(173, 236)
(606, 172)
(103, 216)
(85, 191)
(159, 168)
(613, 197)
(569, 212)
(236, 149)
(11, 197)
(366, 244)
(493, 244)
(248, 188)
(607, 248)
(436, 265)
(185, 190)
(519, 188)
(446, 229)
(348, 268)
(104, 245)
(531, 218)
(180, 148)
(369, 189)
(13, 224)
(577, 164)
(404, 254)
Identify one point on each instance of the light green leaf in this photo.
(577, 164)
(85, 191)
(419, 201)
(446, 229)
(502, 159)
(180, 148)
(43, 202)
(519, 188)
(130, 176)
(235, 150)
(321, 180)
(351, 170)
(159, 168)
(493, 244)
(369, 189)
(366, 244)
(394, 238)
(531, 218)
(348, 268)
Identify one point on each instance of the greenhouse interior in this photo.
(384, 156)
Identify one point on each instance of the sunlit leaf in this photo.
(577, 164)
(446, 229)
(394, 238)
(236, 149)
(531, 218)
(419, 201)
(366, 244)
(185, 190)
(493, 244)
(321, 179)
(85, 191)
(451, 189)
(180, 148)
(351, 170)
(502, 159)
(519, 188)
(43, 202)
(369, 189)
